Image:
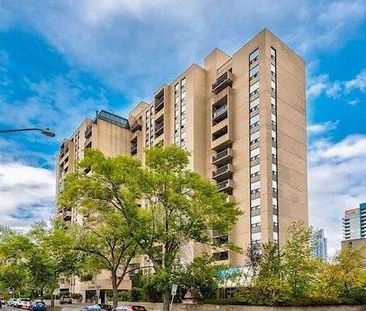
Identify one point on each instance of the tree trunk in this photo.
(52, 299)
(115, 289)
(166, 300)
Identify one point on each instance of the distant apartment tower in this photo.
(110, 134)
(354, 223)
(319, 245)
(243, 120)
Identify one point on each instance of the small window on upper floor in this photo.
(254, 56)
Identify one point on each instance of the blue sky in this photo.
(62, 60)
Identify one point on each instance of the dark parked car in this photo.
(92, 308)
(105, 307)
(65, 300)
(130, 308)
(38, 306)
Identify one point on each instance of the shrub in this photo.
(137, 294)
(124, 296)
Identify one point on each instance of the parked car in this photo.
(130, 308)
(92, 308)
(65, 300)
(25, 303)
(105, 306)
(11, 302)
(38, 306)
(17, 302)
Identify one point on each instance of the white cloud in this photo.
(354, 102)
(337, 181)
(152, 41)
(322, 85)
(27, 194)
(321, 128)
(358, 83)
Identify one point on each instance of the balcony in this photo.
(221, 138)
(159, 101)
(222, 82)
(134, 146)
(159, 129)
(226, 186)
(223, 172)
(222, 157)
(88, 131)
(133, 149)
(219, 114)
(136, 126)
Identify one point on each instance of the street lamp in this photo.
(46, 131)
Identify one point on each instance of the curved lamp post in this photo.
(46, 131)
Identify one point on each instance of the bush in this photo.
(124, 296)
(137, 294)
(151, 293)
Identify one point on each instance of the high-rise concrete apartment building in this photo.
(243, 119)
(110, 134)
(319, 245)
(354, 223)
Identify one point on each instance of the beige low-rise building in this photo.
(243, 120)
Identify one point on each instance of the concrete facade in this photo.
(243, 120)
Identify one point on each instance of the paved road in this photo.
(73, 307)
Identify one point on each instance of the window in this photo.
(274, 134)
(273, 85)
(176, 87)
(253, 71)
(256, 185)
(273, 101)
(274, 151)
(273, 118)
(254, 55)
(254, 119)
(273, 53)
(254, 169)
(256, 219)
(255, 152)
(255, 202)
(273, 68)
(254, 87)
(274, 168)
(274, 184)
(254, 136)
(254, 103)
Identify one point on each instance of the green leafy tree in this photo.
(108, 244)
(270, 287)
(299, 265)
(13, 277)
(180, 206)
(201, 277)
(51, 257)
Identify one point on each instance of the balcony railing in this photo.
(225, 185)
(159, 103)
(219, 114)
(136, 126)
(88, 131)
(222, 82)
(222, 156)
(223, 172)
(159, 129)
